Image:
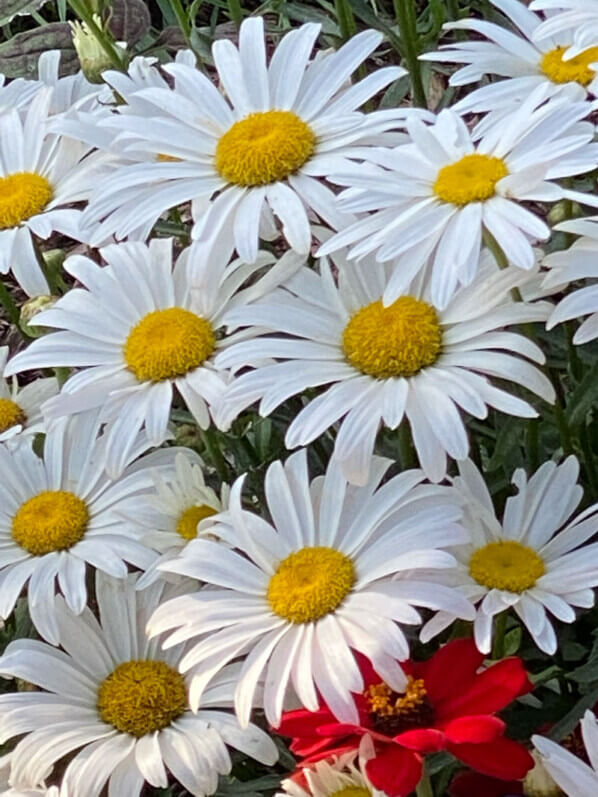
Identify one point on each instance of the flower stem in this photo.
(424, 787)
(182, 19)
(407, 19)
(80, 9)
(405, 442)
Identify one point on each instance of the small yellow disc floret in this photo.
(310, 584)
(168, 343)
(187, 523)
(575, 70)
(22, 195)
(506, 565)
(141, 697)
(393, 341)
(471, 179)
(352, 791)
(53, 520)
(264, 147)
(10, 414)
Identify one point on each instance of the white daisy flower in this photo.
(436, 196)
(258, 153)
(574, 776)
(382, 364)
(525, 64)
(335, 572)
(20, 411)
(168, 517)
(340, 776)
(6, 789)
(576, 17)
(117, 699)
(41, 175)
(531, 561)
(60, 512)
(140, 328)
(579, 262)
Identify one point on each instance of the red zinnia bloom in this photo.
(448, 705)
(471, 784)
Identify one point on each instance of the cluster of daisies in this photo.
(361, 271)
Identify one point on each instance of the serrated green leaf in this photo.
(9, 9)
(19, 55)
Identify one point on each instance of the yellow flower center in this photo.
(264, 148)
(506, 565)
(141, 697)
(352, 791)
(168, 343)
(22, 195)
(471, 179)
(51, 521)
(10, 414)
(575, 70)
(187, 523)
(310, 584)
(393, 341)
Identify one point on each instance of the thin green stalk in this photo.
(214, 453)
(501, 259)
(80, 9)
(498, 646)
(424, 787)
(9, 304)
(346, 19)
(182, 19)
(407, 20)
(562, 425)
(62, 374)
(588, 456)
(235, 12)
(533, 452)
(406, 452)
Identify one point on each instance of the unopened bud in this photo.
(30, 309)
(92, 57)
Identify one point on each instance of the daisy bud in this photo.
(30, 309)
(92, 57)
(538, 783)
(562, 211)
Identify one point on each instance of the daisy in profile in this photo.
(573, 17)
(41, 175)
(342, 775)
(574, 776)
(255, 154)
(20, 408)
(579, 262)
(141, 328)
(514, 56)
(409, 362)
(462, 190)
(60, 513)
(537, 561)
(117, 705)
(335, 572)
(168, 517)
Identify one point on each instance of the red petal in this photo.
(475, 730)
(470, 784)
(491, 690)
(328, 753)
(303, 722)
(451, 670)
(425, 740)
(341, 729)
(394, 771)
(309, 746)
(501, 758)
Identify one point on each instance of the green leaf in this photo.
(569, 722)
(9, 9)
(19, 55)
(583, 397)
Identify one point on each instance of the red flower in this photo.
(470, 784)
(448, 705)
